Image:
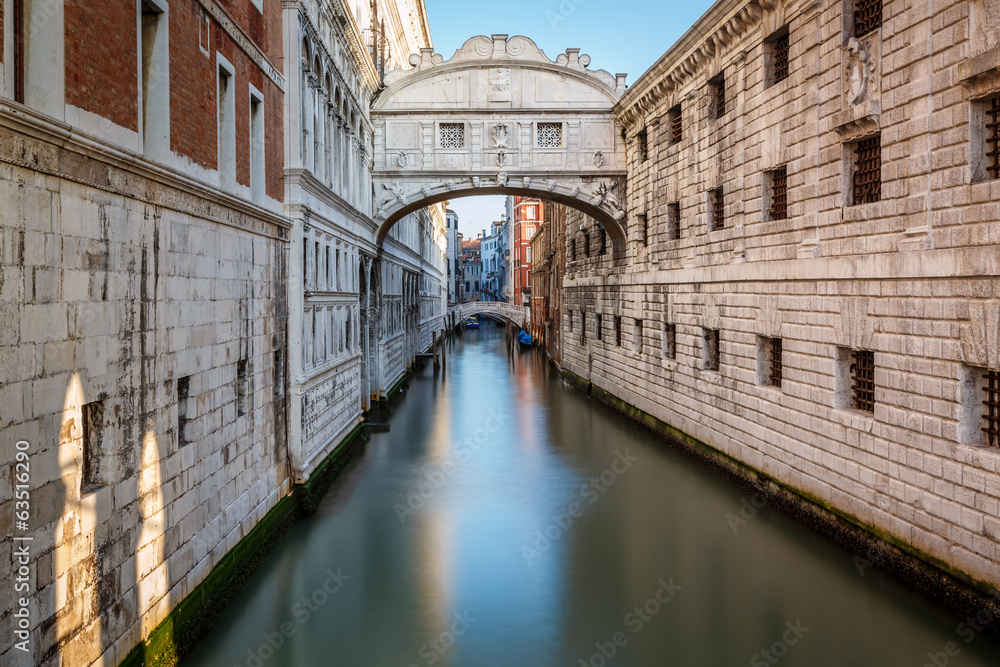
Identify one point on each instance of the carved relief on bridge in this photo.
(499, 115)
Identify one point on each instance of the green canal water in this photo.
(506, 520)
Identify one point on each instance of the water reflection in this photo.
(506, 520)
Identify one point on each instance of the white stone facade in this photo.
(911, 277)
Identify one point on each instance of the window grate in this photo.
(868, 170)
(550, 135)
(643, 145)
(618, 331)
(992, 403)
(779, 194)
(676, 126)
(711, 360)
(992, 114)
(718, 210)
(776, 367)
(583, 327)
(867, 16)
(674, 221)
(644, 228)
(452, 135)
(779, 56)
(863, 380)
(603, 241)
(19, 68)
(718, 97)
(586, 244)
(598, 334)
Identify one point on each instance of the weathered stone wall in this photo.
(912, 277)
(114, 286)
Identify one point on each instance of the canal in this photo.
(506, 520)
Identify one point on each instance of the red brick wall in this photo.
(193, 87)
(101, 64)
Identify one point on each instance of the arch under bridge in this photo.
(519, 316)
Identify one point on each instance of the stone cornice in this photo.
(307, 181)
(356, 42)
(243, 41)
(42, 144)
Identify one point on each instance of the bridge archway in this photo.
(500, 117)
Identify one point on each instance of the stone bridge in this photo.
(500, 117)
(519, 316)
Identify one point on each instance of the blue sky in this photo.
(624, 36)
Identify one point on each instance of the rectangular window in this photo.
(717, 92)
(637, 337)
(867, 16)
(586, 244)
(980, 419)
(769, 361)
(583, 327)
(717, 204)
(242, 387)
(778, 181)
(97, 455)
(328, 268)
(676, 126)
(155, 81)
(618, 331)
(452, 135)
(669, 340)
(573, 249)
(642, 145)
(776, 51)
(185, 410)
(316, 270)
(863, 380)
(643, 224)
(550, 135)
(867, 177)
(598, 325)
(673, 221)
(226, 128)
(710, 349)
(569, 324)
(986, 119)
(603, 241)
(19, 68)
(278, 370)
(256, 147)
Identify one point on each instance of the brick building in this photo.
(525, 214)
(548, 266)
(810, 283)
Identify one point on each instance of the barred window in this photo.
(643, 228)
(775, 370)
(583, 327)
(717, 202)
(867, 16)
(673, 221)
(637, 337)
(603, 241)
(676, 126)
(618, 331)
(586, 244)
(779, 194)
(991, 405)
(452, 135)
(779, 58)
(867, 179)
(642, 145)
(717, 88)
(597, 326)
(991, 126)
(863, 380)
(550, 135)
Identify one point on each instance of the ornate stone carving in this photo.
(605, 194)
(402, 159)
(527, 181)
(501, 180)
(599, 159)
(450, 185)
(426, 191)
(475, 181)
(862, 69)
(501, 135)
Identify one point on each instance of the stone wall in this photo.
(145, 315)
(911, 277)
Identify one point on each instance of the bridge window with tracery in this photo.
(550, 135)
(452, 135)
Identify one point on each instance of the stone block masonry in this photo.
(841, 205)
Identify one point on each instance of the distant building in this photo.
(472, 269)
(454, 257)
(525, 215)
(548, 266)
(495, 261)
